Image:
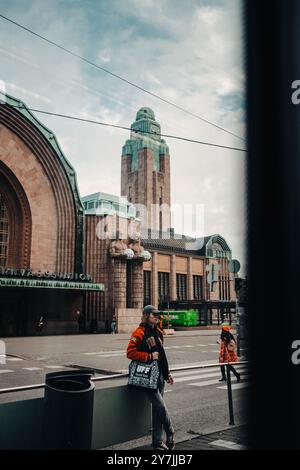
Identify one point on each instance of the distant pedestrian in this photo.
(40, 324)
(227, 353)
(114, 324)
(146, 345)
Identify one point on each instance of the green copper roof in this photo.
(145, 113)
(145, 133)
(108, 204)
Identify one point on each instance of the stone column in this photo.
(137, 285)
(119, 283)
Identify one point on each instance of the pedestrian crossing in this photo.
(205, 378)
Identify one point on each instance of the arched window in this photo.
(4, 232)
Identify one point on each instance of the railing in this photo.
(174, 369)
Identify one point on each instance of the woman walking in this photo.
(227, 353)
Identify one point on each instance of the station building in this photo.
(68, 263)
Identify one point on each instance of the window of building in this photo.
(197, 287)
(147, 287)
(163, 286)
(181, 286)
(4, 232)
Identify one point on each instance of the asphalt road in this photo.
(196, 401)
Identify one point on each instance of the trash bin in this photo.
(68, 410)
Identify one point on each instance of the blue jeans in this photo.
(160, 417)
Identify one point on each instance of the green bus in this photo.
(180, 318)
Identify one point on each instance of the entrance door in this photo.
(12, 314)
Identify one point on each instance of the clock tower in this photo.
(145, 174)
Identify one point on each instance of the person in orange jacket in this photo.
(145, 345)
(227, 352)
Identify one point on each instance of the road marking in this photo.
(14, 359)
(204, 383)
(227, 444)
(112, 355)
(98, 353)
(236, 386)
(4, 371)
(55, 367)
(197, 376)
(32, 368)
(203, 372)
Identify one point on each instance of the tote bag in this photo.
(144, 374)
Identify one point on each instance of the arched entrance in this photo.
(15, 222)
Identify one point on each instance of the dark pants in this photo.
(160, 417)
(232, 369)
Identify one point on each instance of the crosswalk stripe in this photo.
(4, 371)
(215, 382)
(237, 386)
(241, 369)
(197, 376)
(32, 368)
(98, 353)
(204, 383)
(111, 355)
(55, 367)
(15, 359)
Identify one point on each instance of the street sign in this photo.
(234, 266)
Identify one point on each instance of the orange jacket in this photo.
(134, 345)
(225, 355)
(138, 349)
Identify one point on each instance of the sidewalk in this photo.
(233, 438)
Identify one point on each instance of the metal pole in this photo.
(229, 392)
(238, 327)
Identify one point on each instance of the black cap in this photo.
(151, 309)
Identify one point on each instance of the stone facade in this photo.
(117, 262)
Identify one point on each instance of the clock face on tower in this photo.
(154, 129)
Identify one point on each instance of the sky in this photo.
(187, 51)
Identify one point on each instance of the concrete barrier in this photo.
(120, 414)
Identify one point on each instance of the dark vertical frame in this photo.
(273, 179)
